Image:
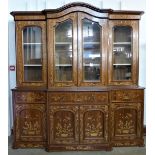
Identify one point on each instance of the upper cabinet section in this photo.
(86, 46)
(31, 53)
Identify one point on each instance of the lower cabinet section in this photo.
(73, 120)
(78, 127)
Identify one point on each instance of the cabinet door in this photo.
(92, 49)
(62, 49)
(30, 123)
(94, 124)
(126, 123)
(63, 125)
(123, 52)
(31, 53)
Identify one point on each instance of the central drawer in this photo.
(78, 97)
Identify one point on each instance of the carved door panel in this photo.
(63, 124)
(30, 122)
(126, 121)
(94, 124)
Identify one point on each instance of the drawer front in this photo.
(78, 97)
(127, 95)
(30, 97)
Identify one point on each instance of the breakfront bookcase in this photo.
(77, 79)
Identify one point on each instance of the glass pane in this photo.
(32, 48)
(122, 52)
(91, 51)
(63, 51)
(32, 73)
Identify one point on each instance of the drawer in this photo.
(78, 97)
(30, 97)
(127, 95)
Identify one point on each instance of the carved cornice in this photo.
(74, 7)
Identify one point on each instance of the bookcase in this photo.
(77, 79)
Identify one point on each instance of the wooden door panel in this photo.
(30, 122)
(94, 124)
(126, 121)
(63, 124)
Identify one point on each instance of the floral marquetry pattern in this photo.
(64, 127)
(30, 122)
(127, 95)
(63, 124)
(94, 124)
(79, 97)
(126, 121)
(30, 97)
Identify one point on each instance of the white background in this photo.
(149, 38)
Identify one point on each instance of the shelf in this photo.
(92, 81)
(121, 64)
(122, 43)
(32, 43)
(32, 65)
(91, 65)
(63, 65)
(94, 43)
(63, 43)
(61, 51)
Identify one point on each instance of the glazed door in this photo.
(62, 49)
(123, 52)
(92, 49)
(94, 124)
(31, 53)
